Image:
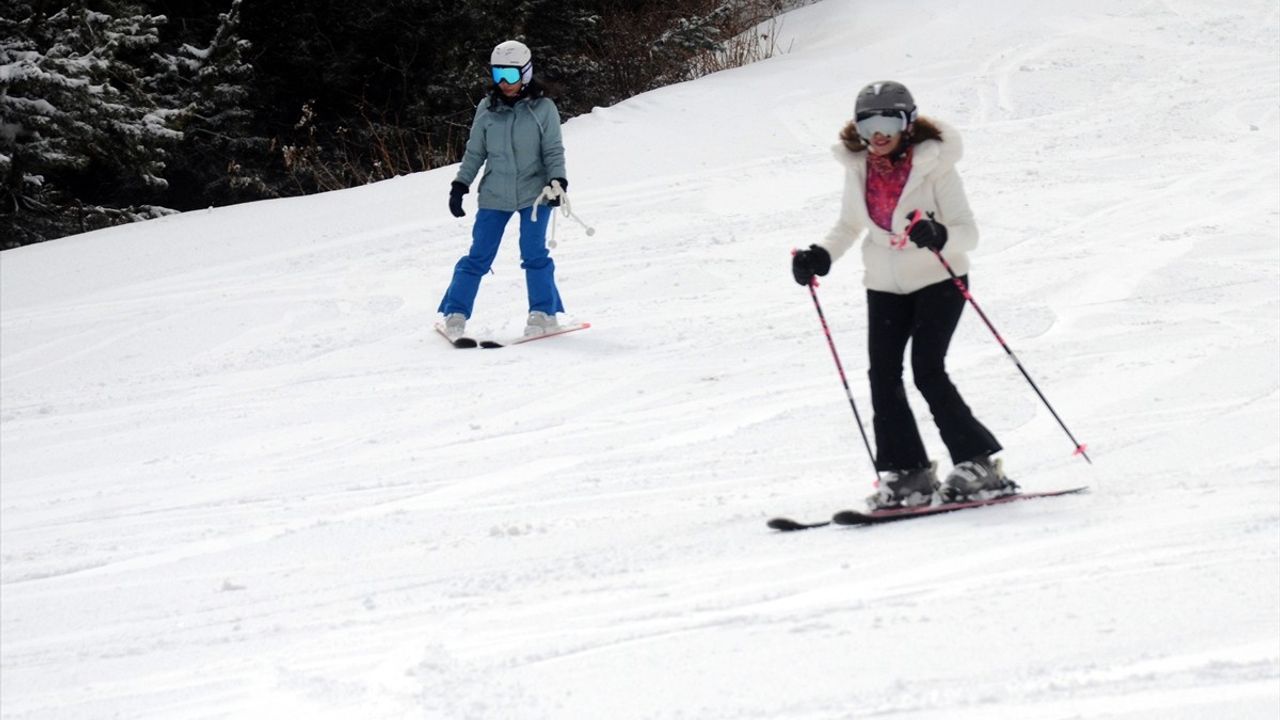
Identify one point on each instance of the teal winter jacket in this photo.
(520, 148)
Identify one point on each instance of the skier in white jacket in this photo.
(898, 163)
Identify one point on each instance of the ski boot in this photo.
(905, 488)
(977, 479)
(455, 325)
(540, 323)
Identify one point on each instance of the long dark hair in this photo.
(922, 129)
(534, 89)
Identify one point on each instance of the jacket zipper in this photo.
(515, 166)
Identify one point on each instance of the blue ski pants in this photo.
(486, 236)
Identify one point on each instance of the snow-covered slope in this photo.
(241, 476)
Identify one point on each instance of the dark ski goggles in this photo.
(885, 122)
(505, 74)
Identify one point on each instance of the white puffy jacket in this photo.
(933, 186)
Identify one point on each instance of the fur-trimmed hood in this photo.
(932, 187)
(934, 142)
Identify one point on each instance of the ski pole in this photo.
(568, 212)
(552, 242)
(1081, 448)
(574, 217)
(813, 284)
(552, 192)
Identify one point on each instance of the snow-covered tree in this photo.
(220, 158)
(79, 133)
(607, 51)
(112, 108)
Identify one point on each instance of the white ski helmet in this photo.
(513, 54)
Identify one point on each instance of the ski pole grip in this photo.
(546, 194)
(813, 281)
(915, 217)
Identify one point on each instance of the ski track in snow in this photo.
(242, 477)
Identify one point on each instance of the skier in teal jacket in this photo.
(516, 137)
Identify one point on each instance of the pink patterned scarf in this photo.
(885, 180)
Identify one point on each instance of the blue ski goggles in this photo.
(886, 122)
(505, 74)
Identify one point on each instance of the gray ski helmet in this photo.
(886, 95)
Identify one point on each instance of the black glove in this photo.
(928, 233)
(807, 263)
(564, 186)
(456, 191)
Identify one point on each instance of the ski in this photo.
(459, 342)
(854, 517)
(561, 330)
(789, 525)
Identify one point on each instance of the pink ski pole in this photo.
(813, 292)
(1081, 449)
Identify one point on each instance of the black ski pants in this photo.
(927, 318)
